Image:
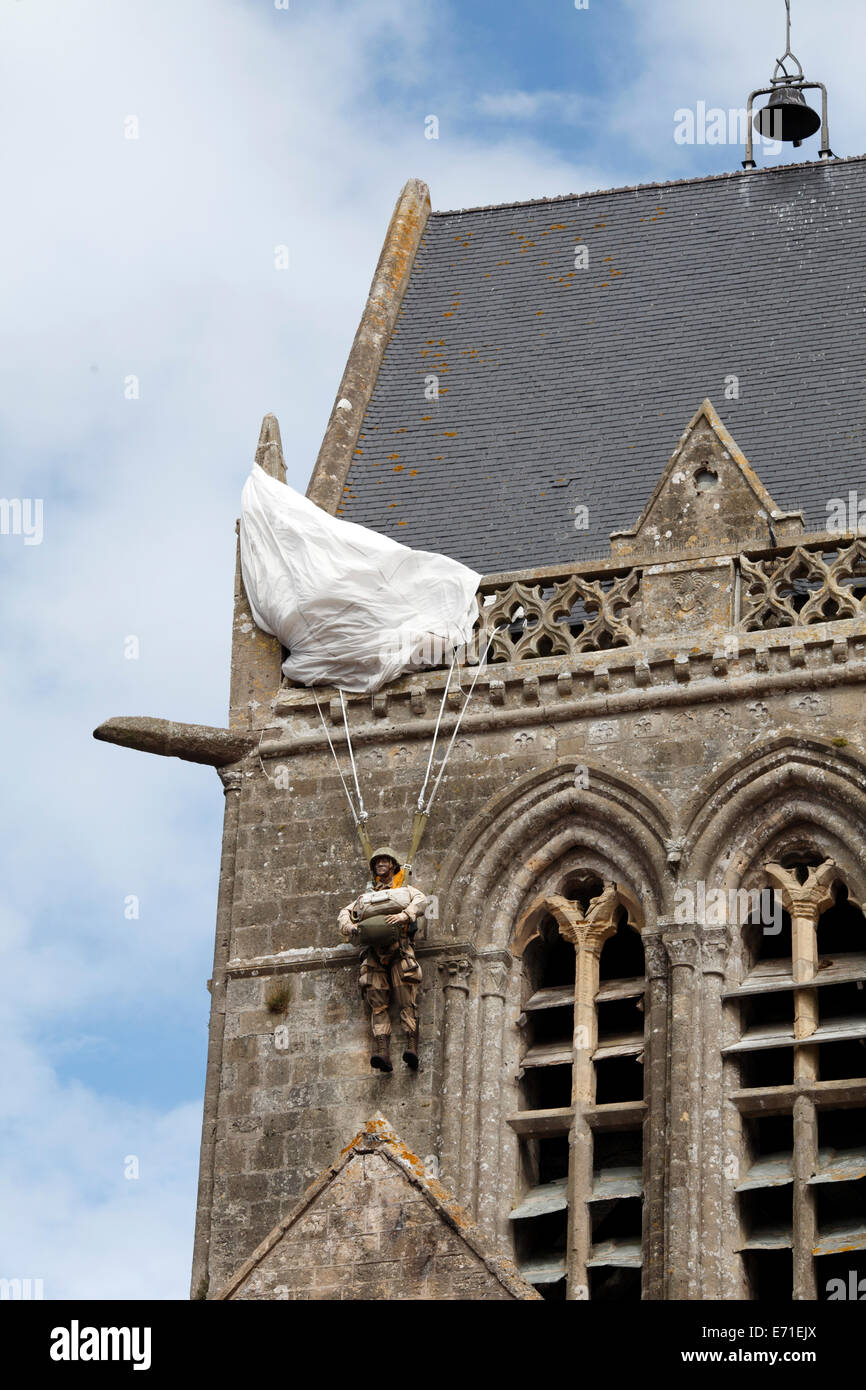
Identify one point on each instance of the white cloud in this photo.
(155, 257)
(71, 1216)
(568, 107)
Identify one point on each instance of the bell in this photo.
(787, 117)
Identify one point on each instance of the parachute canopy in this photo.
(354, 609)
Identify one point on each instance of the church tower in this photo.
(642, 1014)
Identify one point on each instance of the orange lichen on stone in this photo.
(357, 1139)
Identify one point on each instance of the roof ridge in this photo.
(665, 183)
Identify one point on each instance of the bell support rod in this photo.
(825, 151)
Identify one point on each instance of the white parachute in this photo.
(354, 608)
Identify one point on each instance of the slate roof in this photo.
(562, 387)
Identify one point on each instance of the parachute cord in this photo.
(336, 759)
(436, 733)
(362, 814)
(259, 755)
(460, 717)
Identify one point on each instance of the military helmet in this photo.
(385, 852)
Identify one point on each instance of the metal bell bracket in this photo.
(786, 79)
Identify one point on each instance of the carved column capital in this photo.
(455, 971)
(682, 949)
(231, 778)
(715, 946)
(590, 930)
(809, 899)
(656, 957)
(494, 979)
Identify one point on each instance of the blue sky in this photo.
(153, 258)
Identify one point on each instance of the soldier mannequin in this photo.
(391, 965)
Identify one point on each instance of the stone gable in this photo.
(375, 1226)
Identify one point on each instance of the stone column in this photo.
(232, 780)
(682, 949)
(580, 1167)
(714, 1196)
(456, 972)
(494, 982)
(804, 964)
(655, 1136)
(587, 934)
(804, 902)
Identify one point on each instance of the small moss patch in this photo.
(277, 999)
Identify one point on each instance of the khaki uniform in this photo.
(389, 968)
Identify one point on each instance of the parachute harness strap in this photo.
(362, 814)
(336, 759)
(426, 809)
(436, 733)
(259, 756)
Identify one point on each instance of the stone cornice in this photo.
(705, 678)
(607, 565)
(331, 957)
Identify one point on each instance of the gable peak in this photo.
(708, 500)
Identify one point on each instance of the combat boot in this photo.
(410, 1056)
(381, 1057)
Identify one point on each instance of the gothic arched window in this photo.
(801, 1173)
(578, 1216)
